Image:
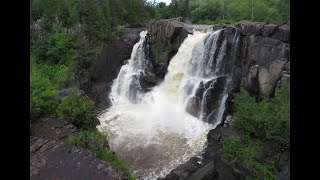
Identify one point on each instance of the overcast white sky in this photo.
(166, 1)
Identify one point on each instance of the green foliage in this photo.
(79, 110)
(268, 119)
(57, 74)
(245, 151)
(80, 139)
(42, 93)
(234, 10)
(61, 48)
(171, 48)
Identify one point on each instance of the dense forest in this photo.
(224, 11)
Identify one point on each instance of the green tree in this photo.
(42, 93)
(267, 119)
(79, 110)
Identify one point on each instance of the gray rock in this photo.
(105, 67)
(269, 77)
(262, 80)
(62, 93)
(285, 174)
(228, 122)
(287, 67)
(282, 33)
(218, 26)
(251, 82)
(162, 33)
(268, 29)
(193, 106)
(262, 54)
(250, 28)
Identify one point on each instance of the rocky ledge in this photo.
(52, 157)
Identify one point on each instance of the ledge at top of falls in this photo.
(260, 44)
(168, 27)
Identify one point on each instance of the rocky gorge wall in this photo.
(96, 83)
(262, 62)
(262, 58)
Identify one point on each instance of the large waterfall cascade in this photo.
(154, 132)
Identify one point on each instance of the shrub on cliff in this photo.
(42, 93)
(79, 110)
(267, 119)
(245, 151)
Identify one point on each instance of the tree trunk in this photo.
(251, 9)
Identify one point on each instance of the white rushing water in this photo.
(152, 132)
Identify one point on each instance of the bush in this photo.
(79, 110)
(61, 48)
(171, 48)
(268, 119)
(57, 74)
(42, 93)
(245, 151)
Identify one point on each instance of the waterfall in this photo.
(126, 87)
(154, 132)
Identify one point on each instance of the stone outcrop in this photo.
(259, 44)
(263, 79)
(52, 157)
(166, 37)
(263, 57)
(105, 67)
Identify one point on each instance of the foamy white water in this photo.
(152, 132)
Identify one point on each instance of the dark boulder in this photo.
(218, 26)
(193, 106)
(148, 81)
(250, 28)
(268, 29)
(282, 33)
(262, 80)
(165, 33)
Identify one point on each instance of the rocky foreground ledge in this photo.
(52, 157)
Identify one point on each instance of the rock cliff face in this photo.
(53, 157)
(262, 62)
(105, 67)
(263, 51)
(264, 56)
(166, 37)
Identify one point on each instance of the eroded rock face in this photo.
(262, 80)
(261, 56)
(166, 37)
(268, 29)
(248, 27)
(105, 67)
(52, 156)
(282, 33)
